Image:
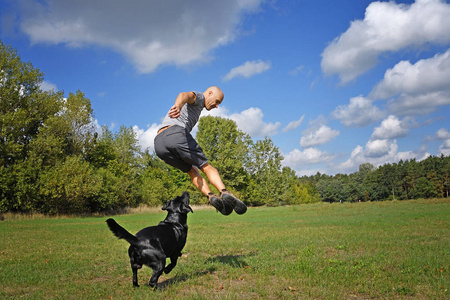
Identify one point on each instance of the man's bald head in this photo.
(213, 97)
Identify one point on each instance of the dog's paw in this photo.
(135, 285)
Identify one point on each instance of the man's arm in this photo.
(182, 99)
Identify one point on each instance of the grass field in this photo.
(383, 250)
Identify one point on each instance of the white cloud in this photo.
(425, 76)
(294, 124)
(378, 148)
(359, 112)
(96, 126)
(311, 172)
(251, 122)
(377, 154)
(149, 33)
(299, 69)
(406, 105)
(296, 158)
(387, 26)
(146, 137)
(248, 69)
(221, 111)
(317, 135)
(416, 88)
(445, 148)
(48, 86)
(442, 134)
(390, 128)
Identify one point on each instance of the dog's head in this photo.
(179, 204)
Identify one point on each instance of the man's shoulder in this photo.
(199, 99)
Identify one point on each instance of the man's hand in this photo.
(182, 99)
(174, 112)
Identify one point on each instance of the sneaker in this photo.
(231, 200)
(224, 209)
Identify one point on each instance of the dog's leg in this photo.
(158, 268)
(173, 263)
(154, 279)
(135, 278)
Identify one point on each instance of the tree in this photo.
(101, 150)
(424, 188)
(306, 193)
(227, 149)
(390, 178)
(363, 170)
(446, 174)
(125, 166)
(437, 183)
(77, 116)
(265, 169)
(24, 108)
(68, 186)
(291, 181)
(25, 113)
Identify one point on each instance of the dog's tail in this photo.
(121, 232)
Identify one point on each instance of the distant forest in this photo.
(53, 161)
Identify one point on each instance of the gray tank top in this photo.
(189, 114)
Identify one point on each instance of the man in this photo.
(175, 145)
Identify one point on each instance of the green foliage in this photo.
(265, 171)
(24, 108)
(226, 148)
(399, 181)
(67, 186)
(251, 170)
(51, 160)
(306, 193)
(156, 187)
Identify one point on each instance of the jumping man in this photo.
(175, 145)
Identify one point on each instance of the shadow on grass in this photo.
(235, 261)
(180, 278)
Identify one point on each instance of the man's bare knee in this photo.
(208, 168)
(193, 172)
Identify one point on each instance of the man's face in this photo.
(213, 100)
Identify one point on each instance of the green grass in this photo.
(384, 250)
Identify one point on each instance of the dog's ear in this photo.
(167, 205)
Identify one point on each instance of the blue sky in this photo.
(333, 83)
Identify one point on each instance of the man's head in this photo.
(213, 97)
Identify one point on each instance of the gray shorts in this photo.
(178, 148)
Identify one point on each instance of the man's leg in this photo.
(230, 201)
(200, 182)
(213, 176)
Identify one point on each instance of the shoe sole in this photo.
(224, 208)
(238, 206)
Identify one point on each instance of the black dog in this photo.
(152, 245)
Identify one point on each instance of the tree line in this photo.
(52, 160)
(409, 179)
